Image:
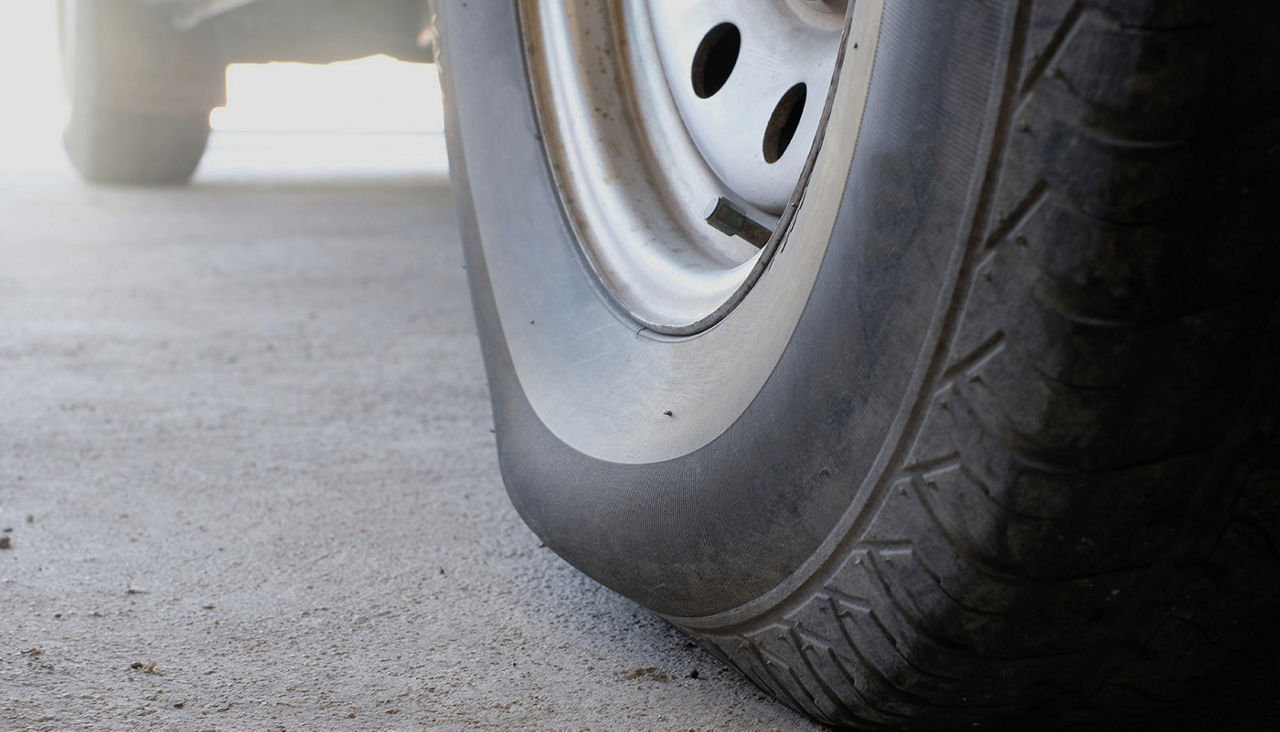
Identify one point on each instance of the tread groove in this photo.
(1070, 21)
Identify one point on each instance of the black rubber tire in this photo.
(1020, 457)
(140, 92)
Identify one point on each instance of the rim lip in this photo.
(560, 107)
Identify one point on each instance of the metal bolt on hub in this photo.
(733, 221)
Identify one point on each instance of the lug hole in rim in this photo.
(715, 58)
(783, 123)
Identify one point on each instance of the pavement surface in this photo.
(247, 474)
(248, 481)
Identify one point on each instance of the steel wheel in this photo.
(644, 152)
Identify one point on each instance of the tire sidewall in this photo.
(756, 509)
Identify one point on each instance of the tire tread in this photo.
(1096, 527)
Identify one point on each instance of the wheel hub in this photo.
(641, 151)
(749, 80)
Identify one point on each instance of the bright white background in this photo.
(374, 114)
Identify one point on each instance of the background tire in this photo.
(1020, 454)
(140, 92)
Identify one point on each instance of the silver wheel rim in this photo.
(640, 150)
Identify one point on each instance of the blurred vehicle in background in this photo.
(143, 75)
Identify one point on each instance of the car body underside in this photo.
(310, 31)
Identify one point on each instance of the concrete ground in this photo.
(247, 476)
